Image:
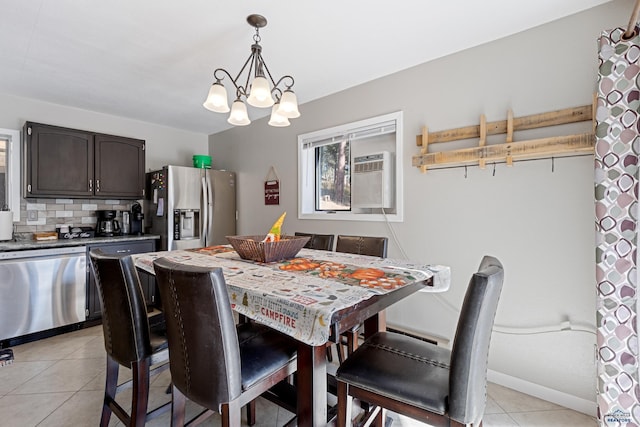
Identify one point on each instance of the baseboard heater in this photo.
(412, 335)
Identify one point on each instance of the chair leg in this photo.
(352, 342)
(110, 386)
(178, 407)
(330, 352)
(340, 351)
(140, 393)
(345, 403)
(251, 413)
(231, 414)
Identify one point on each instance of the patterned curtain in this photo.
(616, 194)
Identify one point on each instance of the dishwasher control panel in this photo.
(31, 253)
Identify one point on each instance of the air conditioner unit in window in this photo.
(371, 181)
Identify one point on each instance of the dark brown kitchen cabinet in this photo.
(94, 309)
(70, 163)
(119, 167)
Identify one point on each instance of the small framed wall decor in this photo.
(271, 188)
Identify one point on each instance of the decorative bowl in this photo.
(254, 249)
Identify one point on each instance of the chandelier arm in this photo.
(289, 86)
(277, 93)
(273, 82)
(218, 79)
(245, 89)
(264, 66)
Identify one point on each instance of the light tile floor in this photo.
(59, 382)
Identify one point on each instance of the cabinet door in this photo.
(59, 162)
(119, 166)
(147, 281)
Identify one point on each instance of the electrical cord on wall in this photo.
(393, 234)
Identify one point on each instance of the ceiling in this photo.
(153, 60)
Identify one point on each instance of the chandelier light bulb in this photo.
(217, 99)
(278, 120)
(238, 116)
(289, 105)
(260, 95)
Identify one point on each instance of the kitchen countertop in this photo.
(32, 244)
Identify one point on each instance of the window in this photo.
(333, 180)
(352, 172)
(10, 171)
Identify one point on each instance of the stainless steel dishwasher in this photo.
(41, 289)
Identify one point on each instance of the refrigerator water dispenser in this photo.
(186, 224)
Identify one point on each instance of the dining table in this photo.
(313, 298)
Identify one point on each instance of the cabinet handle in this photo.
(123, 251)
(90, 185)
(97, 185)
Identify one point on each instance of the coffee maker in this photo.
(107, 225)
(136, 218)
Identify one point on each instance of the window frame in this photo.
(306, 171)
(12, 183)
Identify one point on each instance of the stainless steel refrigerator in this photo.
(191, 207)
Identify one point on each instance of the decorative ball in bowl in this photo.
(254, 249)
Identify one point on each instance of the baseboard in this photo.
(402, 329)
(545, 393)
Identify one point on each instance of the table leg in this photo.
(376, 323)
(312, 385)
(372, 325)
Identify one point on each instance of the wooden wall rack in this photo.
(510, 150)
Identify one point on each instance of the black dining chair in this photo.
(424, 381)
(361, 245)
(322, 242)
(128, 340)
(214, 362)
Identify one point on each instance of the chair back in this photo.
(204, 353)
(318, 241)
(470, 352)
(362, 245)
(124, 312)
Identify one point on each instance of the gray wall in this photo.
(539, 222)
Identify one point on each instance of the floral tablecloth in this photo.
(298, 296)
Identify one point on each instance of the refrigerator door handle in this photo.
(209, 208)
(205, 212)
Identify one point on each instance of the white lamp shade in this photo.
(289, 105)
(238, 116)
(217, 99)
(276, 119)
(260, 95)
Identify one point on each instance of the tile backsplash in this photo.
(37, 215)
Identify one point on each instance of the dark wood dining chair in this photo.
(424, 381)
(361, 245)
(214, 362)
(128, 340)
(323, 242)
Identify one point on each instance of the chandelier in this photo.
(263, 91)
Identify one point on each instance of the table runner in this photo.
(298, 296)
